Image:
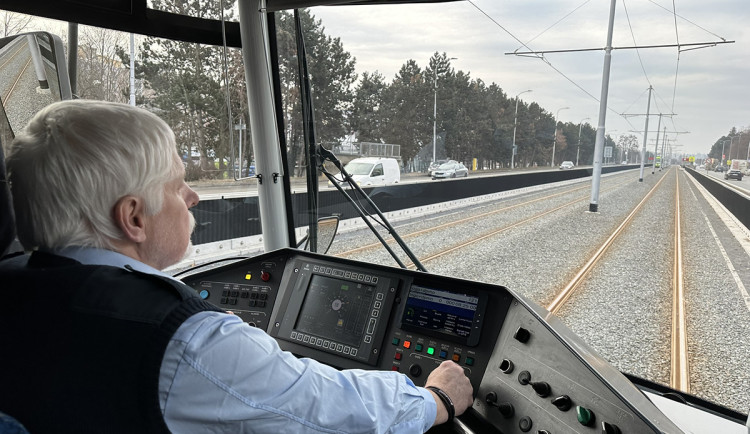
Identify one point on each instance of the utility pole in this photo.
(515, 123)
(656, 147)
(599, 144)
(645, 135)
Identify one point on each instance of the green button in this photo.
(469, 361)
(418, 347)
(585, 416)
(430, 350)
(395, 341)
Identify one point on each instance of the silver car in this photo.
(567, 165)
(451, 169)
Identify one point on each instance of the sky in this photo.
(706, 90)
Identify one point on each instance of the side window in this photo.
(377, 171)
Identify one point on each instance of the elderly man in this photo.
(96, 339)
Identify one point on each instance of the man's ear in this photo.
(129, 215)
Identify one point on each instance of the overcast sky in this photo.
(712, 84)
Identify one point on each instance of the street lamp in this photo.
(554, 136)
(723, 143)
(434, 115)
(578, 152)
(515, 122)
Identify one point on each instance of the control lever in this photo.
(505, 408)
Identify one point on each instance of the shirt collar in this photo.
(95, 256)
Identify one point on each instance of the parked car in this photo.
(434, 166)
(733, 173)
(567, 165)
(451, 169)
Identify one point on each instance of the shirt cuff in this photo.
(430, 408)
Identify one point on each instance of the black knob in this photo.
(524, 377)
(522, 335)
(506, 366)
(491, 398)
(541, 388)
(524, 424)
(562, 402)
(415, 370)
(506, 409)
(608, 428)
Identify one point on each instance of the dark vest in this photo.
(81, 346)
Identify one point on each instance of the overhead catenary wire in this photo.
(543, 59)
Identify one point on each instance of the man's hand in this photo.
(451, 379)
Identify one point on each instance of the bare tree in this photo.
(101, 74)
(12, 23)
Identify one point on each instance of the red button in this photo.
(265, 276)
(394, 368)
(398, 356)
(407, 344)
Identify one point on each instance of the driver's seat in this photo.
(7, 218)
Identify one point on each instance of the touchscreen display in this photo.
(441, 311)
(336, 309)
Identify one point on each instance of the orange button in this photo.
(407, 344)
(456, 357)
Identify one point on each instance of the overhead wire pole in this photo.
(656, 147)
(599, 144)
(645, 134)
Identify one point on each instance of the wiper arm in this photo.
(326, 155)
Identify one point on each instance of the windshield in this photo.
(358, 168)
(422, 84)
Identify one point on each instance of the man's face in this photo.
(169, 230)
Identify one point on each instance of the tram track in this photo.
(679, 377)
(7, 94)
(465, 220)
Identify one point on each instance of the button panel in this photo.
(420, 355)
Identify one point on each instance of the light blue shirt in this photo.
(221, 375)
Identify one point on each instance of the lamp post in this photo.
(515, 123)
(554, 136)
(578, 151)
(723, 143)
(434, 116)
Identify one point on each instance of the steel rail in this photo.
(679, 372)
(568, 290)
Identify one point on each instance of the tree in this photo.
(12, 23)
(365, 118)
(331, 71)
(101, 74)
(407, 118)
(183, 85)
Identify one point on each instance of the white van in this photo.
(373, 171)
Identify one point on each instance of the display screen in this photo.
(336, 309)
(441, 311)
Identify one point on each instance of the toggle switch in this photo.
(562, 402)
(608, 428)
(541, 388)
(585, 416)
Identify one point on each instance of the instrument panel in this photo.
(529, 372)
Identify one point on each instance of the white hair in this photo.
(75, 160)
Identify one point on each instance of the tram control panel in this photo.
(529, 372)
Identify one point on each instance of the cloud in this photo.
(711, 88)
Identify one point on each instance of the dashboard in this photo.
(529, 372)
